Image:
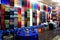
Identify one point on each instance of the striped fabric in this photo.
(22, 11)
(11, 19)
(7, 17)
(28, 17)
(16, 17)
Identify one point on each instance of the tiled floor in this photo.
(49, 35)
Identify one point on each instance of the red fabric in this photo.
(19, 21)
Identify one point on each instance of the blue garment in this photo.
(32, 35)
(1, 34)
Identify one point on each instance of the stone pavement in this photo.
(50, 35)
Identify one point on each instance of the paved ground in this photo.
(50, 35)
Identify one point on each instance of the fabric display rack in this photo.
(23, 14)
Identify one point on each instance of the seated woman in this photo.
(52, 25)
